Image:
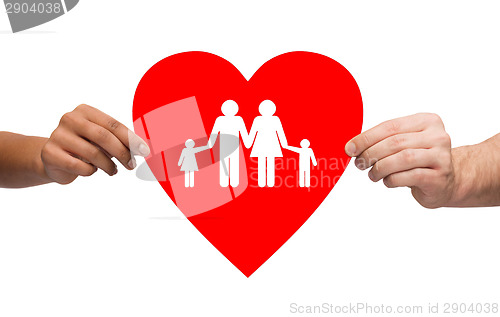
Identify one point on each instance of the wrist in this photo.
(462, 176)
(38, 166)
(477, 173)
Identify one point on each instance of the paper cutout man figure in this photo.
(230, 127)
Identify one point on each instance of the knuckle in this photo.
(434, 118)
(408, 155)
(71, 165)
(396, 142)
(366, 155)
(113, 124)
(419, 115)
(124, 154)
(82, 107)
(428, 204)
(65, 181)
(375, 171)
(367, 158)
(67, 119)
(102, 135)
(94, 153)
(88, 171)
(393, 126)
(366, 138)
(445, 139)
(56, 135)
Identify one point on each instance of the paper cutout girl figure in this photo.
(268, 134)
(188, 161)
(306, 156)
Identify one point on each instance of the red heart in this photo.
(316, 98)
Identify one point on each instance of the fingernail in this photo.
(370, 175)
(350, 148)
(360, 164)
(144, 149)
(115, 171)
(132, 164)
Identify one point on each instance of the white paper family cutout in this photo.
(265, 137)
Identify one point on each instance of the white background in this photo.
(116, 246)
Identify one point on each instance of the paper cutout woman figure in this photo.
(188, 161)
(268, 134)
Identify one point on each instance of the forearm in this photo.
(20, 161)
(282, 138)
(211, 140)
(292, 148)
(477, 174)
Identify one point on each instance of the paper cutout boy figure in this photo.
(188, 163)
(306, 156)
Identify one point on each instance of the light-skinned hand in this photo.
(412, 151)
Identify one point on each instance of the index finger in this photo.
(132, 141)
(365, 140)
